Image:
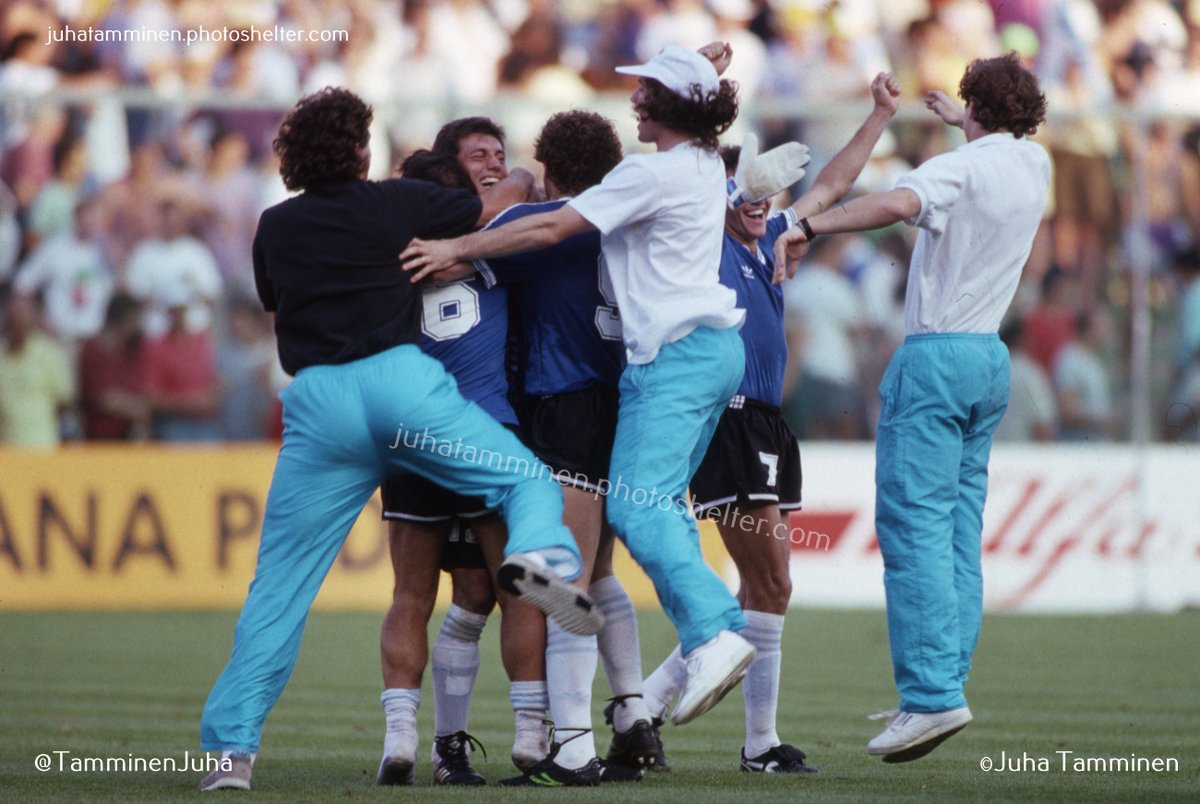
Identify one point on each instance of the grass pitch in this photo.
(132, 685)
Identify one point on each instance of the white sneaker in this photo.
(530, 577)
(912, 735)
(713, 669)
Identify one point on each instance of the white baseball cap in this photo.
(678, 68)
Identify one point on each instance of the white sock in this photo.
(455, 663)
(400, 709)
(665, 683)
(761, 686)
(570, 671)
(620, 650)
(529, 701)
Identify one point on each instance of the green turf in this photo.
(102, 685)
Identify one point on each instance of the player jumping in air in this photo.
(752, 468)
(946, 388)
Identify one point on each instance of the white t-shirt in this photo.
(1080, 372)
(77, 284)
(661, 218)
(981, 205)
(157, 268)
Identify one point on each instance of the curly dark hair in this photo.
(1004, 96)
(702, 117)
(321, 139)
(438, 168)
(449, 135)
(577, 149)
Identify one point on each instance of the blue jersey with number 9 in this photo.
(571, 325)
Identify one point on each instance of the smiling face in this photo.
(482, 156)
(748, 222)
(648, 130)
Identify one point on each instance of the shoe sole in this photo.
(681, 716)
(922, 748)
(397, 773)
(571, 609)
(225, 784)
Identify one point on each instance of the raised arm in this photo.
(867, 212)
(945, 107)
(836, 179)
(533, 232)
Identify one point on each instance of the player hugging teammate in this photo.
(685, 380)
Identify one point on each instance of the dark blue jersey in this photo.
(571, 328)
(763, 334)
(465, 325)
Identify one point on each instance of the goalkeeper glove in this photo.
(760, 176)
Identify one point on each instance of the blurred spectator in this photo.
(1183, 406)
(10, 233)
(53, 209)
(71, 273)
(1189, 170)
(1032, 413)
(112, 380)
(175, 265)
(1166, 227)
(244, 362)
(467, 43)
(131, 206)
(35, 378)
(1187, 267)
(1084, 196)
(228, 193)
(27, 67)
(826, 305)
(181, 374)
(1051, 323)
(674, 22)
(29, 165)
(1082, 382)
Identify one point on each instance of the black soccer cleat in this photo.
(612, 772)
(528, 577)
(547, 774)
(452, 761)
(780, 759)
(638, 747)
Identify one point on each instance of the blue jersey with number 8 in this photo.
(464, 325)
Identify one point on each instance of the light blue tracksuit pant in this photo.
(943, 395)
(669, 410)
(346, 428)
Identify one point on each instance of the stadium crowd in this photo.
(126, 220)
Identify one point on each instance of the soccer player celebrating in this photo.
(751, 473)
(660, 217)
(946, 388)
(464, 326)
(347, 321)
(573, 358)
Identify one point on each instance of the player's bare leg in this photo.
(523, 652)
(757, 541)
(416, 551)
